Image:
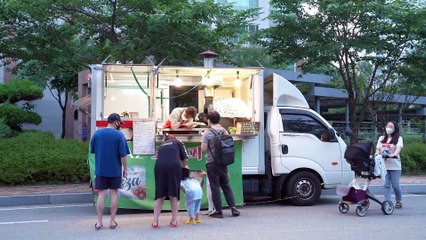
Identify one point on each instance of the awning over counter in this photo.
(121, 75)
(82, 103)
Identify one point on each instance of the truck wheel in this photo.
(303, 188)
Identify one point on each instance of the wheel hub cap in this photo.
(304, 188)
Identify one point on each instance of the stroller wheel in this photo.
(387, 207)
(343, 208)
(361, 211)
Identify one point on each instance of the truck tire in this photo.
(303, 188)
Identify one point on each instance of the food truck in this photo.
(278, 148)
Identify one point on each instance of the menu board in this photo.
(248, 127)
(144, 137)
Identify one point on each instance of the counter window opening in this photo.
(123, 95)
(126, 89)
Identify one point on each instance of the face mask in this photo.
(389, 130)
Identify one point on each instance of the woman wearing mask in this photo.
(392, 143)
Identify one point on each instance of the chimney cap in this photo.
(208, 54)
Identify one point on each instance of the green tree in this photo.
(50, 52)
(346, 34)
(173, 29)
(65, 36)
(12, 115)
(59, 79)
(254, 56)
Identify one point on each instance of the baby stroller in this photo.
(362, 163)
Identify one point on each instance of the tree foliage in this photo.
(64, 37)
(88, 31)
(12, 115)
(18, 90)
(366, 42)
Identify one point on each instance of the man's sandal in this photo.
(114, 225)
(98, 227)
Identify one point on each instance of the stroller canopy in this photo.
(359, 151)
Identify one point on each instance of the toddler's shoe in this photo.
(190, 222)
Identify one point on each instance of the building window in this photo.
(242, 4)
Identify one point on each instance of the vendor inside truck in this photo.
(181, 118)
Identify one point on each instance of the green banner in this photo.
(138, 189)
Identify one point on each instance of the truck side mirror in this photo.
(331, 134)
(328, 136)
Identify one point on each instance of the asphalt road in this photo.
(260, 221)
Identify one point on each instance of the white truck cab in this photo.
(303, 153)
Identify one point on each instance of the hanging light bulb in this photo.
(237, 81)
(177, 82)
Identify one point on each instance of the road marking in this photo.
(24, 222)
(44, 207)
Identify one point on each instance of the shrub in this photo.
(37, 157)
(14, 116)
(413, 157)
(17, 90)
(5, 131)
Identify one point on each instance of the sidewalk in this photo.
(82, 193)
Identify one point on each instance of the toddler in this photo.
(194, 193)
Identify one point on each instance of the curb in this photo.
(45, 199)
(378, 189)
(405, 189)
(78, 198)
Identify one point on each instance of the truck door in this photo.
(302, 147)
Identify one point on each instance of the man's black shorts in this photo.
(107, 182)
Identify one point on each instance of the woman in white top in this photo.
(392, 143)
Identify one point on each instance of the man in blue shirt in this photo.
(111, 150)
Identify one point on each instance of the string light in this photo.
(177, 82)
(237, 81)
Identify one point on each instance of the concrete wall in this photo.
(262, 21)
(51, 114)
(82, 119)
(6, 73)
(1, 74)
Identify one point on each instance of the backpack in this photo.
(223, 154)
